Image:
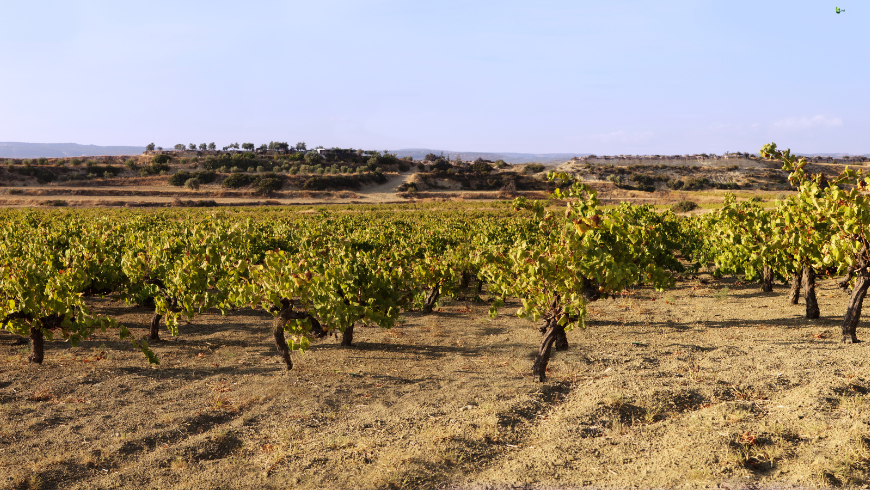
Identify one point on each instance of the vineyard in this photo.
(406, 346)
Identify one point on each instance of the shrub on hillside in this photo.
(182, 176)
(675, 184)
(236, 180)
(179, 178)
(43, 176)
(268, 184)
(408, 187)
(643, 179)
(318, 183)
(192, 184)
(379, 159)
(154, 168)
(264, 184)
(161, 159)
(684, 206)
(533, 168)
(211, 163)
(313, 158)
(206, 176)
(696, 183)
(336, 182)
(104, 170)
(480, 167)
(442, 166)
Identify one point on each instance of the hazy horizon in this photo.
(12, 149)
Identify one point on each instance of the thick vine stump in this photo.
(856, 300)
(795, 293)
(154, 333)
(347, 336)
(316, 328)
(37, 346)
(809, 286)
(431, 299)
(844, 282)
(539, 370)
(766, 279)
(853, 311)
(283, 317)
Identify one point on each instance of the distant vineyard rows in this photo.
(329, 272)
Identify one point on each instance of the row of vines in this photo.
(325, 273)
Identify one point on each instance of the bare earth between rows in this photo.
(702, 385)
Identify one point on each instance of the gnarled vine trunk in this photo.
(37, 339)
(154, 332)
(844, 282)
(539, 369)
(809, 286)
(347, 336)
(37, 345)
(795, 293)
(853, 310)
(856, 300)
(285, 315)
(766, 279)
(554, 333)
(431, 298)
(316, 328)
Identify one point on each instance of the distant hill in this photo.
(419, 153)
(58, 150)
(832, 155)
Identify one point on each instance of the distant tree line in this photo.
(280, 146)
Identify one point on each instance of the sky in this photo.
(543, 76)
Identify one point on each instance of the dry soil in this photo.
(708, 384)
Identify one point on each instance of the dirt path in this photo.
(387, 190)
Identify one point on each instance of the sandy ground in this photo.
(700, 386)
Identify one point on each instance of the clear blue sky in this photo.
(666, 77)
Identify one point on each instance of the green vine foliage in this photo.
(584, 252)
(827, 225)
(742, 239)
(46, 265)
